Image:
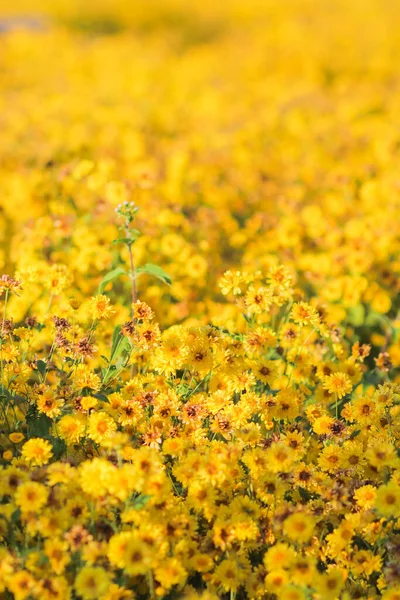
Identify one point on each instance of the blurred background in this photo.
(250, 132)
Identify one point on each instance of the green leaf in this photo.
(38, 425)
(354, 434)
(15, 516)
(119, 343)
(41, 367)
(140, 501)
(114, 274)
(360, 543)
(133, 236)
(101, 397)
(115, 339)
(59, 447)
(156, 271)
(123, 241)
(356, 315)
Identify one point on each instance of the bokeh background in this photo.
(249, 133)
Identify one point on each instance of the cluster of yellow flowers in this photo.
(207, 406)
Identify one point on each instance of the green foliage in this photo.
(111, 276)
(156, 271)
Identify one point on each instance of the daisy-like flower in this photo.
(258, 299)
(338, 383)
(71, 428)
(92, 582)
(9, 283)
(232, 283)
(31, 496)
(304, 314)
(365, 496)
(299, 527)
(100, 426)
(387, 500)
(37, 452)
(279, 556)
(16, 437)
(100, 308)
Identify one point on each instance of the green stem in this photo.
(150, 581)
(132, 272)
(2, 336)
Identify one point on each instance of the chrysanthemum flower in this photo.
(137, 557)
(37, 451)
(329, 584)
(304, 314)
(71, 428)
(31, 496)
(100, 426)
(100, 308)
(387, 500)
(299, 527)
(279, 556)
(338, 383)
(92, 582)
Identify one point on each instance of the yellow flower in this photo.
(279, 556)
(117, 547)
(338, 383)
(57, 553)
(266, 370)
(49, 405)
(196, 266)
(275, 580)
(229, 574)
(280, 277)
(392, 593)
(299, 527)
(116, 592)
(329, 458)
(71, 428)
(94, 476)
(329, 584)
(9, 283)
(322, 425)
(387, 501)
(170, 573)
(100, 426)
(31, 496)
(302, 570)
(21, 585)
(100, 309)
(137, 557)
(200, 357)
(258, 299)
(382, 454)
(56, 587)
(88, 402)
(37, 452)
(84, 378)
(232, 283)
(92, 582)
(279, 458)
(304, 314)
(291, 592)
(365, 496)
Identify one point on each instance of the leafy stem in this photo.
(128, 244)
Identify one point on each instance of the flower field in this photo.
(199, 309)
